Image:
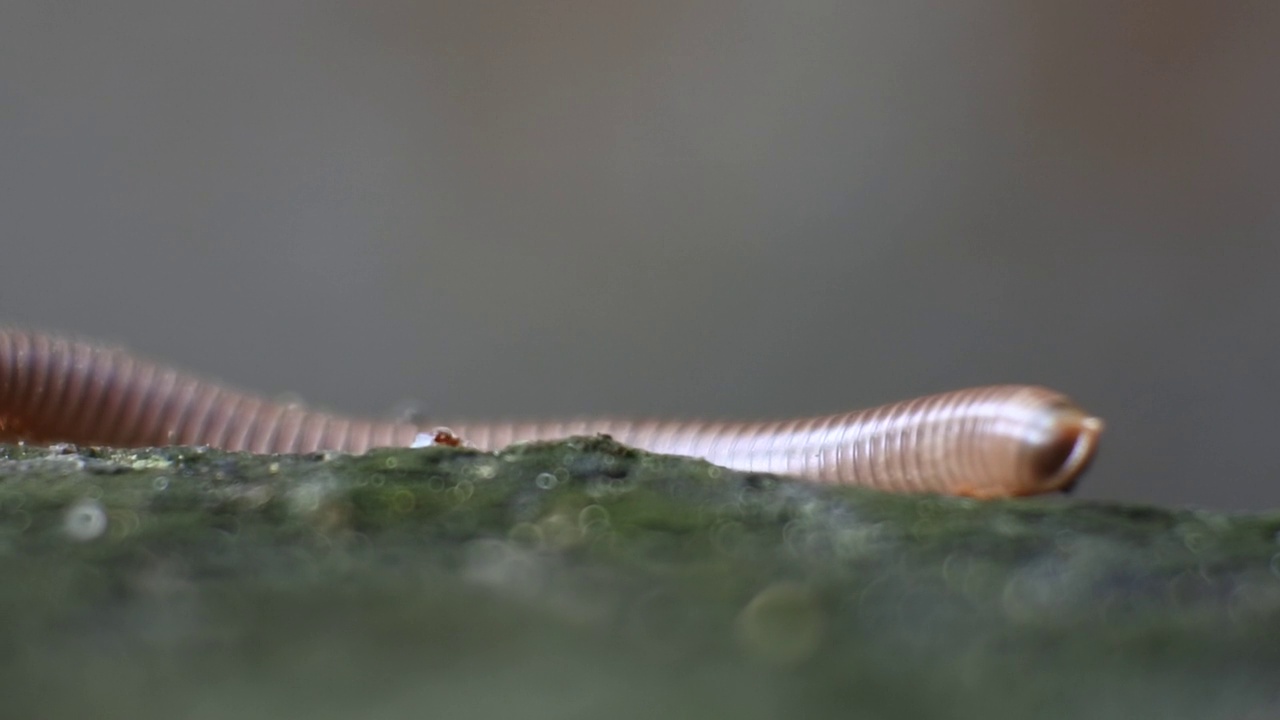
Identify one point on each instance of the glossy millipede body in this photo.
(985, 442)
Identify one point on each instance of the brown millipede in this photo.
(983, 442)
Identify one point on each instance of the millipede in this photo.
(987, 442)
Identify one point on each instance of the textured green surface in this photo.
(583, 579)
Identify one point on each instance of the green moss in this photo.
(583, 579)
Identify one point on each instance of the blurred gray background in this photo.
(517, 208)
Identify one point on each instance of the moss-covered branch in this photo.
(585, 579)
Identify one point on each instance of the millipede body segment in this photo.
(993, 441)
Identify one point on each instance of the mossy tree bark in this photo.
(585, 579)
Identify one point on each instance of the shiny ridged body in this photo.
(987, 442)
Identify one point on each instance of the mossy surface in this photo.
(586, 579)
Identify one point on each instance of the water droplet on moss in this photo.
(85, 520)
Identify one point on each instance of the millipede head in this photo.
(1060, 447)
